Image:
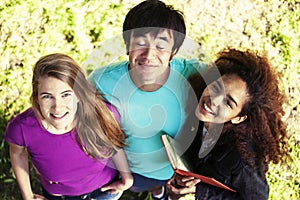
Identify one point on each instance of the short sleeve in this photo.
(114, 111)
(14, 133)
(194, 66)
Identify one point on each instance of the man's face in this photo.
(149, 57)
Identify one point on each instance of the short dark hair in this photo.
(154, 13)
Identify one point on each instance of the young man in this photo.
(149, 90)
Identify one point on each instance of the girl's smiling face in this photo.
(223, 100)
(58, 105)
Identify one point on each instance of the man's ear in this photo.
(127, 49)
(173, 54)
(238, 119)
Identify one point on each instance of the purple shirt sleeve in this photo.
(114, 111)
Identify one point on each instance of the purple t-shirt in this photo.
(63, 166)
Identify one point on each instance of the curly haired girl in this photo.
(245, 105)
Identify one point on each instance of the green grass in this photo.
(30, 29)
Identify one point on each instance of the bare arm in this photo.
(126, 181)
(19, 162)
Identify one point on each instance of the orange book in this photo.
(179, 166)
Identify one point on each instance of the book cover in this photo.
(180, 166)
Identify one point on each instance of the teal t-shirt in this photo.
(145, 116)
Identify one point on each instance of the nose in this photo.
(57, 104)
(216, 99)
(149, 52)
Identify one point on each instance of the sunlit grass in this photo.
(30, 29)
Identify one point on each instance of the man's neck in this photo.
(150, 86)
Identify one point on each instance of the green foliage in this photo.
(30, 29)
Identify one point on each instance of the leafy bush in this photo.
(30, 29)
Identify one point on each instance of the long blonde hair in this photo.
(98, 132)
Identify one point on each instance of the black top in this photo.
(225, 164)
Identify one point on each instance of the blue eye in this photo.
(66, 95)
(46, 97)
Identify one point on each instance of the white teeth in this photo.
(208, 109)
(58, 116)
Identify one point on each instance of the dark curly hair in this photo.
(263, 129)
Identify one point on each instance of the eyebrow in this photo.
(163, 38)
(43, 93)
(232, 99)
(229, 96)
(158, 37)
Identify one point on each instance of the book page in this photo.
(175, 159)
(179, 166)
